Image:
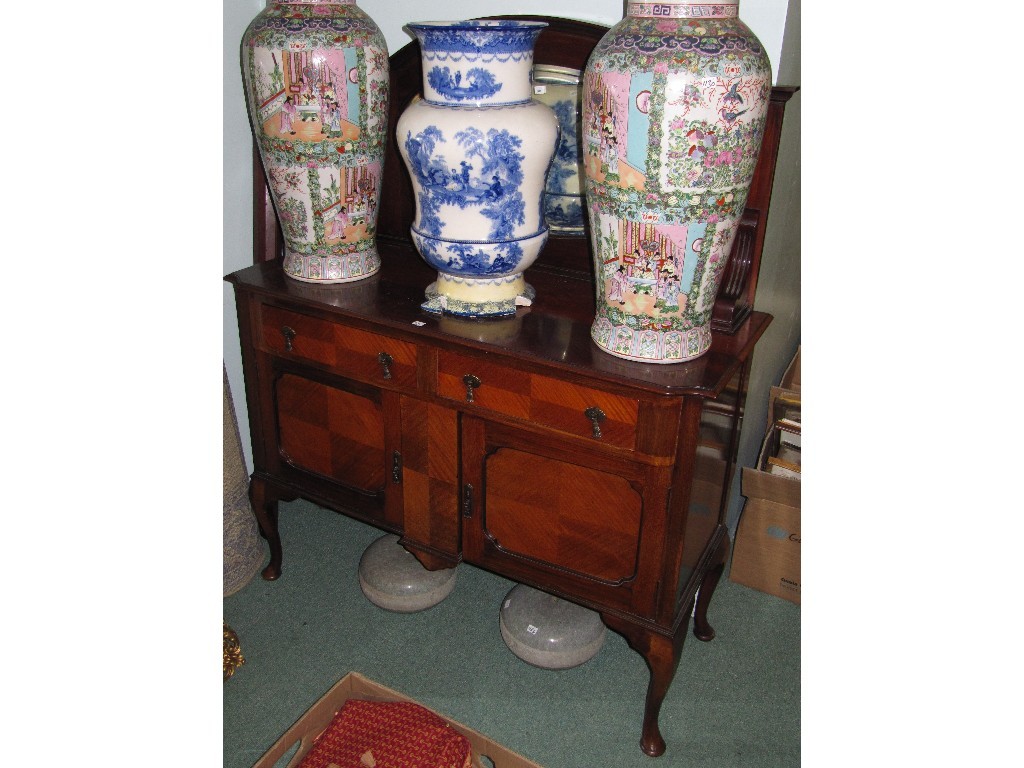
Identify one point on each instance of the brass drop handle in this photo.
(596, 416)
(471, 382)
(289, 334)
(386, 361)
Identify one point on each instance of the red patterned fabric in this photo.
(388, 734)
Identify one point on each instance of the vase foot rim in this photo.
(440, 303)
(331, 281)
(653, 361)
(340, 268)
(662, 347)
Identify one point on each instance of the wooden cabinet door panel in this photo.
(332, 432)
(577, 521)
(571, 516)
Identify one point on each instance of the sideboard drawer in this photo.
(361, 355)
(578, 410)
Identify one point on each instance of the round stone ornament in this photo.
(549, 632)
(393, 579)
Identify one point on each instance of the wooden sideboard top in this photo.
(554, 331)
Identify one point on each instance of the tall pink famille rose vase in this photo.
(675, 98)
(316, 81)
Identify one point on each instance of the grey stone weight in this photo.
(393, 579)
(549, 632)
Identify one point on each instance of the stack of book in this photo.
(780, 452)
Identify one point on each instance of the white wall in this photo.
(237, 203)
(779, 284)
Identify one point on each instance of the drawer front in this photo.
(361, 355)
(571, 408)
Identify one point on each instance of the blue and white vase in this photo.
(478, 148)
(559, 88)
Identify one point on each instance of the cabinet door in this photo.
(557, 515)
(339, 435)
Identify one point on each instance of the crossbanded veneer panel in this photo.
(332, 432)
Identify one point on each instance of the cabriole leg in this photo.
(701, 629)
(264, 504)
(661, 652)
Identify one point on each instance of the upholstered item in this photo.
(243, 549)
(388, 734)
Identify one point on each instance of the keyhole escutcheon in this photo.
(289, 336)
(471, 382)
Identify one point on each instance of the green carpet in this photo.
(735, 701)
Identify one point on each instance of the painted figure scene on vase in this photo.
(317, 79)
(673, 114)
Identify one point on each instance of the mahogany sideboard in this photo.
(514, 445)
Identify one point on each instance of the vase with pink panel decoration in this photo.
(316, 79)
(675, 98)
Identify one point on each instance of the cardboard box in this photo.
(355, 686)
(766, 555)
